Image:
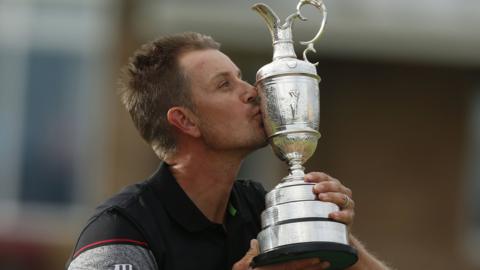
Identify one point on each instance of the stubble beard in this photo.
(220, 140)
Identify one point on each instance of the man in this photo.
(189, 102)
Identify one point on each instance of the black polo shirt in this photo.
(158, 215)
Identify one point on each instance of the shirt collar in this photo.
(178, 205)
(238, 203)
(182, 209)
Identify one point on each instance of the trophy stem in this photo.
(296, 167)
(297, 171)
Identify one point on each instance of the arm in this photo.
(114, 257)
(365, 259)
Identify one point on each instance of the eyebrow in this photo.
(226, 73)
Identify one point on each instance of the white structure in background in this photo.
(444, 31)
(54, 62)
(472, 187)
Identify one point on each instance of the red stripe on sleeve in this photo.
(110, 241)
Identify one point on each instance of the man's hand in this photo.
(329, 189)
(305, 264)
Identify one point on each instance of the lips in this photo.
(258, 116)
(257, 113)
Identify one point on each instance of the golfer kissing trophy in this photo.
(295, 224)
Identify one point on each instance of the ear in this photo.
(184, 120)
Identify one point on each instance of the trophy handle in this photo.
(321, 6)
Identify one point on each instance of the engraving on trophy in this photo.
(294, 94)
(295, 223)
(269, 107)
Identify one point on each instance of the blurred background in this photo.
(400, 116)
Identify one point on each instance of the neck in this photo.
(207, 179)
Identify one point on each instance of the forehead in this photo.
(204, 65)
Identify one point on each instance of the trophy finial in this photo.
(282, 34)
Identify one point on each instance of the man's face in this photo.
(227, 113)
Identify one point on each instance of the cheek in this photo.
(225, 115)
(216, 121)
(222, 113)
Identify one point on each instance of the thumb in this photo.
(244, 263)
(254, 249)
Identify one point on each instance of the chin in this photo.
(262, 143)
(257, 144)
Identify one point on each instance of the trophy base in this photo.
(340, 256)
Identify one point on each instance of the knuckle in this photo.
(324, 175)
(338, 216)
(317, 188)
(321, 175)
(352, 203)
(335, 180)
(324, 197)
(349, 218)
(334, 186)
(323, 187)
(329, 185)
(340, 201)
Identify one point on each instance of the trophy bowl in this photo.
(290, 108)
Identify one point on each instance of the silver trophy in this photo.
(295, 224)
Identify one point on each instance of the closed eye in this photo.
(224, 83)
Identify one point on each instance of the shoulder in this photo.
(108, 228)
(126, 197)
(110, 239)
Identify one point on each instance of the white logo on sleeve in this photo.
(123, 267)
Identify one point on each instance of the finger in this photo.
(340, 199)
(319, 177)
(254, 248)
(330, 186)
(244, 263)
(344, 216)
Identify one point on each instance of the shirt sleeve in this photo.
(114, 257)
(112, 242)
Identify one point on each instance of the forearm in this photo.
(365, 259)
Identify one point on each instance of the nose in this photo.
(251, 94)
